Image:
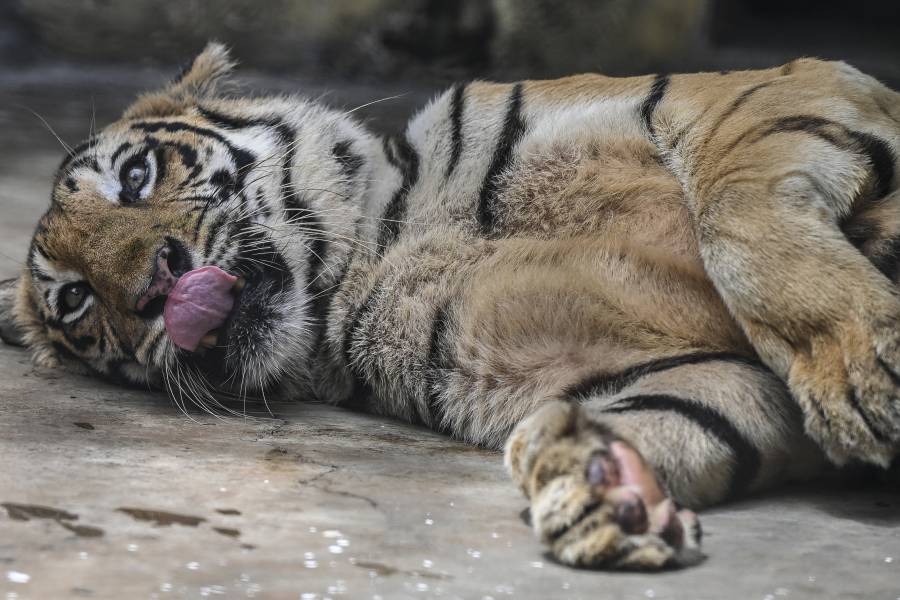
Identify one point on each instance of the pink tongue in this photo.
(199, 303)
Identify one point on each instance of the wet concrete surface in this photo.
(114, 493)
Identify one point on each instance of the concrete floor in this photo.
(110, 493)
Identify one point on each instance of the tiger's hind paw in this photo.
(594, 501)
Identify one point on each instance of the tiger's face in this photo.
(186, 180)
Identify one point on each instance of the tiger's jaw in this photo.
(266, 337)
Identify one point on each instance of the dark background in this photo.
(436, 41)
(75, 62)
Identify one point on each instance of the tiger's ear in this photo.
(10, 332)
(198, 80)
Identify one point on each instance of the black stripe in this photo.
(187, 153)
(154, 345)
(177, 126)
(654, 97)
(440, 360)
(817, 126)
(85, 160)
(877, 433)
(224, 184)
(362, 394)
(747, 459)
(286, 133)
(243, 159)
(101, 341)
(612, 383)
(337, 350)
(81, 342)
(512, 131)
(322, 308)
(876, 151)
(299, 214)
(296, 209)
(734, 106)
(681, 133)
(880, 158)
(160, 158)
(224, 121)
(586, 511)
(895, 377)
(200, 220)
(262, 207)
(117, 152)
(886, 260)
(350, 161)
(354, 318)
(151, 351)
(457, 104)
(116, 343)
(36, 248)
(212, 232)
(63, 352)
(860, 231)
(9, 333)
(402, 155)
(76, 154)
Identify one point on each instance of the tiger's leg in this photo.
(475, 338)
(787, 184)
(606, 470)
(606, 354)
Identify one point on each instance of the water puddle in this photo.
(160, 517)
(26, 512)
(82, 530)
(387, 570)
(227, 531)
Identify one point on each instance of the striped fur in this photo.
(701, 267)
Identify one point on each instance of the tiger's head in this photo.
(264, 189)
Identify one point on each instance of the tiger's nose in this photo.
(168, 267)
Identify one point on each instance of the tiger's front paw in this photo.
(594, 501)
(848, 383)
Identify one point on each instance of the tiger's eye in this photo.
(73, 296)
(136, 177)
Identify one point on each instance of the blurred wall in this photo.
(458, 38)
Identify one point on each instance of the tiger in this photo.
(654, 294)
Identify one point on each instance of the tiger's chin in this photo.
(264, 344)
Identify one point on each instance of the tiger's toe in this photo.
(594, 502)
